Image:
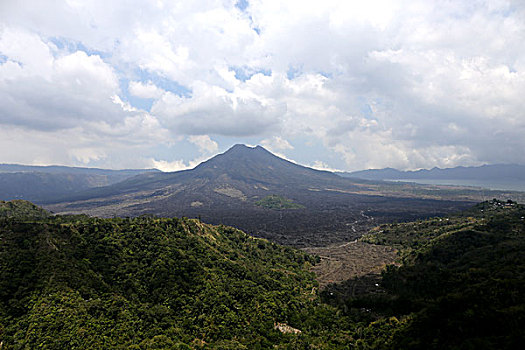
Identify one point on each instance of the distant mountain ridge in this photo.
(62, 169)
(502, 172)
(43, 183)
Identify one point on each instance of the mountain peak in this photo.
(256, 164)
(241, 151)
(244, 148)
(241, 146)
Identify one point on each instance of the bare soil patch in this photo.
(350, 260)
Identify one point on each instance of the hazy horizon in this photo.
(487, 184)
(249, 146)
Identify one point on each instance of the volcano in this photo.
(254, 190)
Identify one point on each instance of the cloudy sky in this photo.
(332, 84)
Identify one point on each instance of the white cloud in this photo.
(40, 91)
(205, 144)
(120, 146)
(60, 107)
(276, 143)
(377, 83)
(320, 165)
(148, 90)
(87, 155)
(176, 165)
(26, 52)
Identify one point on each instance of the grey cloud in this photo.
(209, 112)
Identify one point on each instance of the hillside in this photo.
(46, 183)
(76, 282)
(22, 209)
(153, 283)
(459, 282)
(228, 189)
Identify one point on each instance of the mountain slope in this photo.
(45, 183)
(226, 189)
(22, 209)
(461, 284)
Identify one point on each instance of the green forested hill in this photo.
(78, 282)
(461, 284)
(278, 203)
(74, 282)
(21, 209)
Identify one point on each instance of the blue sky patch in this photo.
(293, 72)
(365, 109)
(162, 82)
(145, 77)
(242, 4)
(243, 73)
(74, 46)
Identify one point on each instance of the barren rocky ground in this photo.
(350, 260)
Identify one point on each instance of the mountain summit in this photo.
(257, 165)
(239, 155)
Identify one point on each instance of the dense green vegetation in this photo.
(21, 209)
(149, 283)
(278, 203)
(461, 284)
